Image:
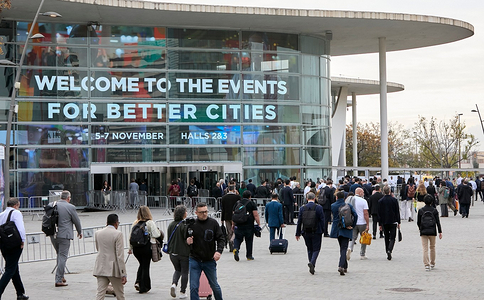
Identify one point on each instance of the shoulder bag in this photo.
(165, 246)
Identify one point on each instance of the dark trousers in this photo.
(12, 272)
(313, 245)
(390, 232)
(327, 219)
(181, 265)
(444, 211)
(464, 209)
(288, 213)
(247, 234)
(143, 255)
(343, 245)
(375, 225)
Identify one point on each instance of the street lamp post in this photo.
(459, 131)
(14, 93)
(480, 119)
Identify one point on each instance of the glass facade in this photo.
(167, 96)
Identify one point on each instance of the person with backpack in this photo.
(341, 229)
(427, 219)
(325, 199)
(310, 224)
(179, 250)
(143, 234)
(66, 218)
(446, 200)
(410, 191)
(244, 214)
(389, 219)
(12, 254)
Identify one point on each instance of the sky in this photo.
(440, 81)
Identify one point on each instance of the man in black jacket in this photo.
(208, 244)
(228, 203)
(262, 191)
(374, 209)
(327, 199)
(389, 219)
(464, 193)
(287, 198)
(251, 187)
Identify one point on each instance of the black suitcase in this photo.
(278, 245)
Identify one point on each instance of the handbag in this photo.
(365, 238)
(156, 251)
(399, 235)
(165, 246)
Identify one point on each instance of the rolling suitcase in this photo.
(204, 289)
(279, 245)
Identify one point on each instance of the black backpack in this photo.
(346, 216)
(322, 197)
(192, 190)
(241, 215)
(50, 219)
(427, 223)
(309, 219)
(139, 235)
(9, 235)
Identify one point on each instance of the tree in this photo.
(5, 4)
(369, 145)
(439, 142)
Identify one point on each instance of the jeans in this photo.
(390, 232)
(358, 229)
(12, 272)
(180, 263)
(464, 209)
(343, 245)
(426, 240)
(313, 245)
(210, 270)
(247, 234)
(61, 247)
(143, 255)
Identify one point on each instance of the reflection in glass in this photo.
(269, 135)
(123, 155)
(52, 135)
(52, 158)
(267, 156)
(201, 38)
(205, 154)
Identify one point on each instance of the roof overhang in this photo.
(363, 87)
(352, 32)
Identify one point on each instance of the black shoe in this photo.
(326, 235)
(463, 216)
(374, 237)
(311, 268)
(341, 271)
(22, 297)
(236, 254)
(389, 255)
(455, 213)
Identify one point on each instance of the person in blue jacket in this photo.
(273, 216)
(342, 234)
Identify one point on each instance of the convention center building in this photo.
(116, 90)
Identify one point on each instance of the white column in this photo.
(355, 133)
(383, 107)
(338, 130)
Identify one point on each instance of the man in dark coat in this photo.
(287, 198)
(329, 198)
(251, 187)
(464, 193)
(389, 219)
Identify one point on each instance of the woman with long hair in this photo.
(420, 194)
(179, 250)
(143, 252)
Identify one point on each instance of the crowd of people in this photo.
(196, 244)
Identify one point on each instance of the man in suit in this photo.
(62, 239)
(389, 219)
(251, 187)
(373, 205)
(12, 256)
(273, 215)
(288, 200)
(110, 266)
(312, 215)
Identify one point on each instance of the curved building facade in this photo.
(116, 102)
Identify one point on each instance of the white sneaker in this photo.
(427, 268)
(173, 290)
(363, 257)
(432, 267)
(348, 254)
(183, 296)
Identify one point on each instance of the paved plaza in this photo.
(458, 273)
